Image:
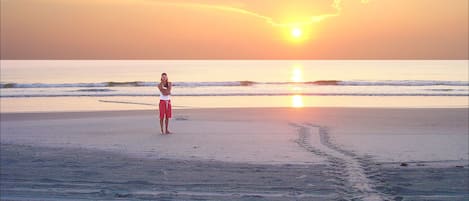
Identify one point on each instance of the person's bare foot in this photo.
(169, 132)
(162, 132)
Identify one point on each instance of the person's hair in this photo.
(167, 80)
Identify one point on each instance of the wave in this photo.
(405, 83)
(68, 85)
(242, 83)
(447, 89)
(93, 90)
(123, 84)
(234, 94)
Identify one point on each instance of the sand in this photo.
(237, 154)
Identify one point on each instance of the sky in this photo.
(234, 29)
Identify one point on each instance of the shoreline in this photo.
(75, 104)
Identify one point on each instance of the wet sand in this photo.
(237, 154)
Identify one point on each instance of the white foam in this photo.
(243, 83)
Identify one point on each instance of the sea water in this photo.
(43, 85)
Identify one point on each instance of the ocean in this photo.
(29, 85)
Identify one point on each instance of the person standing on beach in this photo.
(165, 102)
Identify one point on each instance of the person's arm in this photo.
(165, 92)
(160, 87)
(170, 86)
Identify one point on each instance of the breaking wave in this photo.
(241, 83)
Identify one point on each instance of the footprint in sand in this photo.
(353, 175)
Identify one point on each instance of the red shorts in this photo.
(165, 109)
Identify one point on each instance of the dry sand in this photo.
(237, 154)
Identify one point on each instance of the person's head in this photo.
(164, 77)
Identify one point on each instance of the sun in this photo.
(296, 32)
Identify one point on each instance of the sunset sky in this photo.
(234, 29)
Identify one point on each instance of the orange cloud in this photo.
(337, 5)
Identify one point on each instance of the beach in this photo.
(237, 154)
(330, 100)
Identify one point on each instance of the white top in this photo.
(163, 97)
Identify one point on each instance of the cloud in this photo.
(336, 5)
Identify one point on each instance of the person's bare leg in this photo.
(167, 122)
(161, 125)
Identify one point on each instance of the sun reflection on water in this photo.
(297, 101)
